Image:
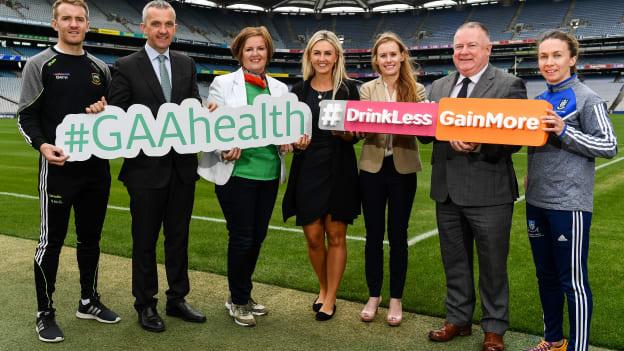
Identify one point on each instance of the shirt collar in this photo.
(474, 79)
(394, 93)
(153, 54)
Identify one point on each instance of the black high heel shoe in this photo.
(322, 316)
(316, 306)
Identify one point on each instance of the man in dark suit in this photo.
(474, 186)
(161, 189)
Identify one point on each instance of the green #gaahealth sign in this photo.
(187, 128)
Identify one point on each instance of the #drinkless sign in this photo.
(186, 128)
(493, 121)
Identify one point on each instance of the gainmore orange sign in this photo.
(492, 121)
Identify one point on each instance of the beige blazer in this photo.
(404, 147)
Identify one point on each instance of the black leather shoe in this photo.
(322, 316)
(182, 309)
(150, 320)
(316, 306)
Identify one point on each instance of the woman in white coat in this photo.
(246, 181)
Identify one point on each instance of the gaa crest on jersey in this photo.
(534, 231)
(562, 104)
(96, 79)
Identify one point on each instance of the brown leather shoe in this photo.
(493, 342)
(449, 331)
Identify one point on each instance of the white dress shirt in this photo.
(473, 81)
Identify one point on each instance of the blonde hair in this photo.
(339, 72)
(238, 44)
(406, 84)
(58, 3)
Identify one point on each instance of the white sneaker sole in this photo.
(90, 316)
(255, 313)
(57, 339)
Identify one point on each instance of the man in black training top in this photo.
(56, 82)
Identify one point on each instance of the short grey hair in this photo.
(158, 4)
(475, 25)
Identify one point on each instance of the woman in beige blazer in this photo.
(388, 167)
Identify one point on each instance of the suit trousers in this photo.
(460, 227)
(397, 191)
(169, 207)
(247, 205)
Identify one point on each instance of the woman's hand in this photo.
(302, 143)
(553, 122)
(231, 155)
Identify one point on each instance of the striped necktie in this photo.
(165, 83)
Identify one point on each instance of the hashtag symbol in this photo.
(331, 114)
(76, 137)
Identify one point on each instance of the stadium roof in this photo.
(334, 5)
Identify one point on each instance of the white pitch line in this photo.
(434, 232)
(199, 218)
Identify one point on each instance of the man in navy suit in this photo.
(162, 188)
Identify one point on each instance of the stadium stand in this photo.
(496, 18)
(440, 25)
(10, 88)
(597, 18)
(430, 29)
(537, 16)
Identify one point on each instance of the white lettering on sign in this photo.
(388, 117)
(490, 120)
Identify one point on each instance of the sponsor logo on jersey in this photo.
(96, 79)
(61, 76)
(562, 238)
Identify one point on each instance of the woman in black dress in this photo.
(322, 188)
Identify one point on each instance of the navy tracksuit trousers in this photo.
(560, 244)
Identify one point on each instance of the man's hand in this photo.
(97, 107)
(232, 154)
(212, 106)
(53, 154)
(464, 147)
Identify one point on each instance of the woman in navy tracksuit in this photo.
(559, 191)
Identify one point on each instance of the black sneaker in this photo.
(47, 328)
(95, 309)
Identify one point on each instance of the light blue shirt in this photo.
(153, 56)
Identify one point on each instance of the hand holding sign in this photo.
(187, 128)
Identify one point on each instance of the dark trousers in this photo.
(397, 191)
(170, 207)
(560, 246)
(247, 205)
(59, 191)
(460, 228)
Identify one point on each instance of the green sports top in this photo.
(258, 163)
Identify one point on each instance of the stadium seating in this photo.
(538, 16)
(496, 18)
(10, 87)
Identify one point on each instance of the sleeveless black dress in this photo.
(323, 179)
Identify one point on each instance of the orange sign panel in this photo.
(492, 121)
